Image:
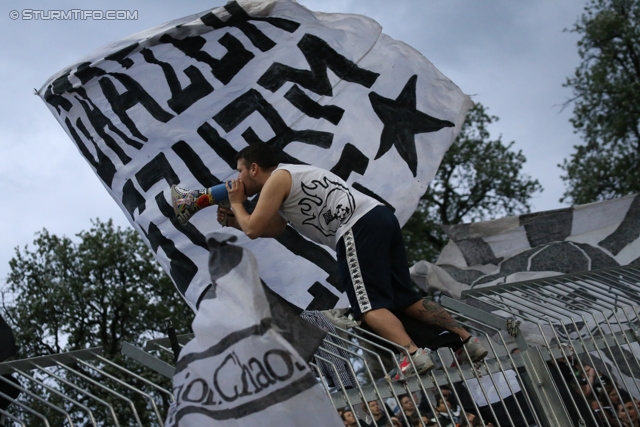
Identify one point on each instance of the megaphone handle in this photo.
(225, 204)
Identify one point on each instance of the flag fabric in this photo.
(545, 244)
(7, 339)
(537, 245)
(238, 369)
(174, 104)
(8, 349)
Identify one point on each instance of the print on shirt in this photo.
(318, 211)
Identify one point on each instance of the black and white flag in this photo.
(536, 245)
(239, 369)
(8, 349)
(540, 245)
(174, 104)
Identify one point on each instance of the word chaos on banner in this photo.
(174, 104)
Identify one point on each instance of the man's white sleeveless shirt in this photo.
(320, 205)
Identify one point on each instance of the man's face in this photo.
(349, 418)
(615, 397)
(375, 409)
(443, 405)
(251, 187)
(407, 404)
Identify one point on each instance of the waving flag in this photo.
(595, 236)
(239, 369)
(174, 104)
(8, 349)
(533, 246)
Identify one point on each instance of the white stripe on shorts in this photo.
(354, 272)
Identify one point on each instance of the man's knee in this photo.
(430, 305)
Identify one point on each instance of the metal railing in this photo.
(563, 351)
(81, 388)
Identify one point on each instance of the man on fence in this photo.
(365, 233)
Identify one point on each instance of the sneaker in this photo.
(421, 360)
(187, 202)
(476, 351)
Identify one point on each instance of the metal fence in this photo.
(564, 351)
(81, 388)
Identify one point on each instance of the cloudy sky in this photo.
(511, 56)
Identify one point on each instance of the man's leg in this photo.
(387, 325)
(365, 267)
(431, 313)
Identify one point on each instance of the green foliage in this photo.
(106, 288)
(100, 291)
(606, 88)
(478, 179)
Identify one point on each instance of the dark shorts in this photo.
(373, 264)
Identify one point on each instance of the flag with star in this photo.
(174, 104)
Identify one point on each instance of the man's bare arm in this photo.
(265, 220)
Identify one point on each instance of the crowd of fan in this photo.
(609, 403)
(415, 411)
(592, 391)
(591, 398)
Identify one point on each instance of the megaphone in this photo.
(187, 202)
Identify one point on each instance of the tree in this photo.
(606, 89)
(104, 289)
(478, 179)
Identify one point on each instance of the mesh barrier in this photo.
(563, 351)
(81, 388)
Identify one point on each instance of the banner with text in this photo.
(174, 104)
(239, 369)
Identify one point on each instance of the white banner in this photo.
(537, 245)
(239, 370)
(577, 239)
(174, 104)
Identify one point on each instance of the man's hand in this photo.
(235, 189)
(265, 220)
(226, 218)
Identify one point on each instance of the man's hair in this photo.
(630, 398)
(259, 153)
(344, 412)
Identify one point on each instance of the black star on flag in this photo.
(402, 122)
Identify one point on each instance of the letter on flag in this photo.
(174, 104)
(239, 369)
